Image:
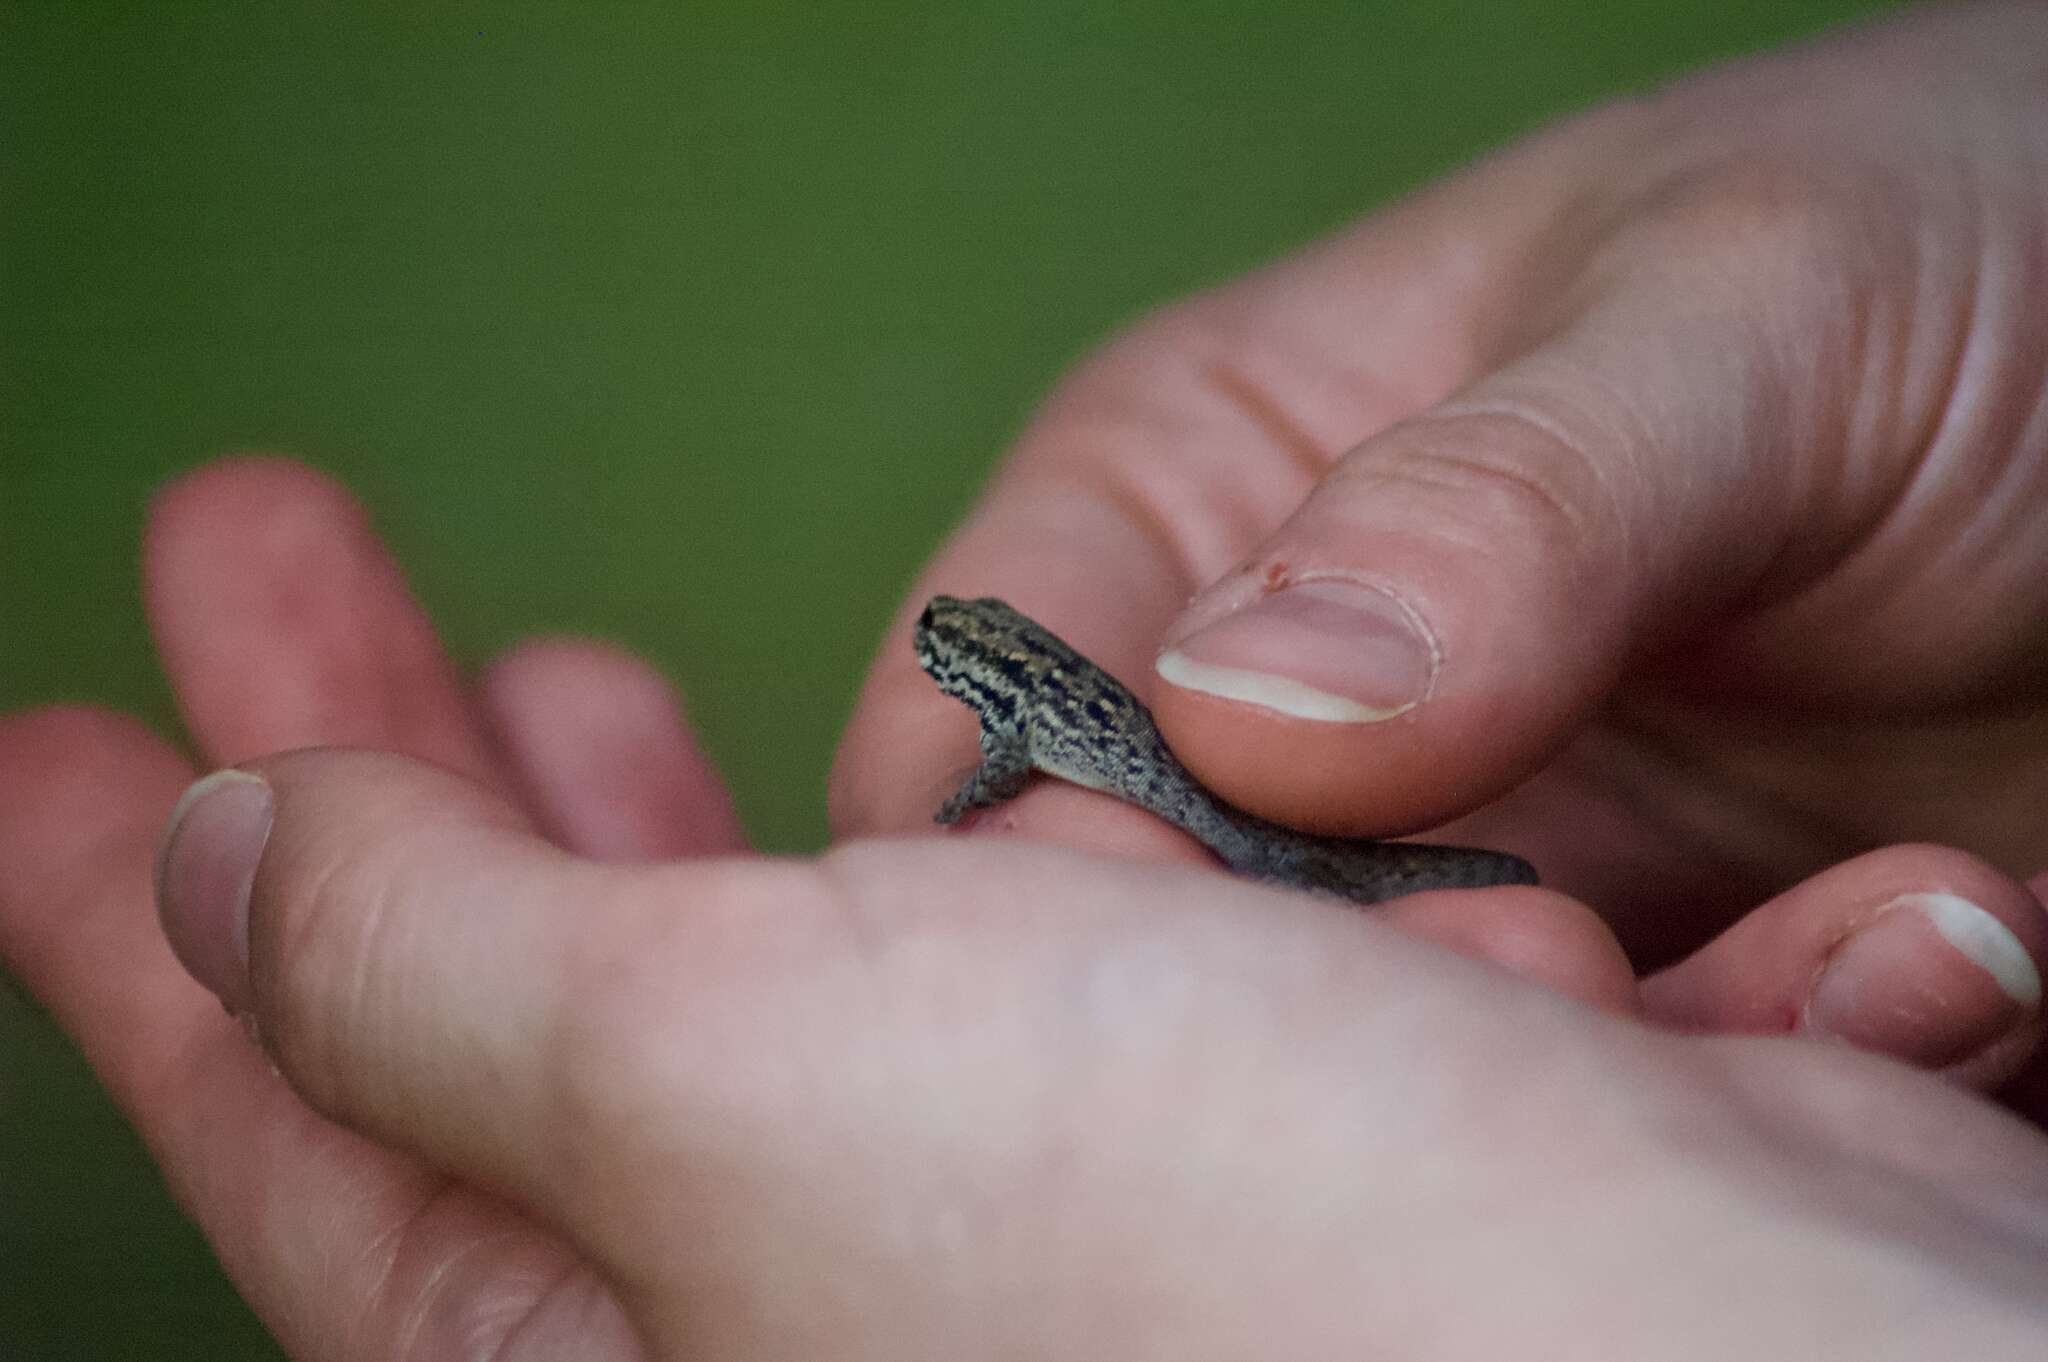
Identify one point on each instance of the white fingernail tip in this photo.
(1984, 939)
(1277, 693)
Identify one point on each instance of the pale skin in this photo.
(1705, 438)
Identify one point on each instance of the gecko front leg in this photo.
(1005, 766)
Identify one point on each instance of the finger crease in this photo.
(572, 1271)
(1266, 411)
(1540, 490)
(1142, 513)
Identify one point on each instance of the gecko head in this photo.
(944, 636)
(956, 638)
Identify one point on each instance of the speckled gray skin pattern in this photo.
(1045, 707)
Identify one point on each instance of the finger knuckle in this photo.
(1762, 224)
(1517, 473)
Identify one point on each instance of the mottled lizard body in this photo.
(1043, 706)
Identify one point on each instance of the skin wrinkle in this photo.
(1938, 430)
(1260, 495)
(1221, 366)
(1834, 247)
(497, 1314)
(387, 1248)
(1473, 464)
(1253, 320)
(1766, 812)
(1629, 772)
(1132, 483)
(1993, 281)
(1879, 347)
(1814, 490)
(1268, 412)
(421, 1294)
(328, 891)
(1111, 485)
(1535, 419)
(1721, 225)
(1635, 438)
(1752, 453)
(1960, 428)
(507, 1345)
(575, 1275)
(1756, 760)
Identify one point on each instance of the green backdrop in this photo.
(690, 325)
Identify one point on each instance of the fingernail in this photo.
(1326, 649)
(205, 866)
(1933, 979)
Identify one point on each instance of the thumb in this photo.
(390, 929)
(429, 972)
(1463, 589)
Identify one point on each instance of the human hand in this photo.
(1669, 480)
(916, 1099)
(360, 1247)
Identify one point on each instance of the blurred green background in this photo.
(689, 325)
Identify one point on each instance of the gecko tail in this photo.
(1417, 867)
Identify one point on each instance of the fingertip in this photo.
(80, 779)
(604, 754)
(238, 486)
(199, 523)
(1329, 649)
(1541, 936)
(1333, 779)
(284, 622)
(1297, 700)
(435, 862)
(567, 662)
(1375, 688)
(56, 747)
(1939, 978)
(204, 867)
(411, 951)
(1925, 953)
(81, 809)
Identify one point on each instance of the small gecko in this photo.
(1043, 706)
